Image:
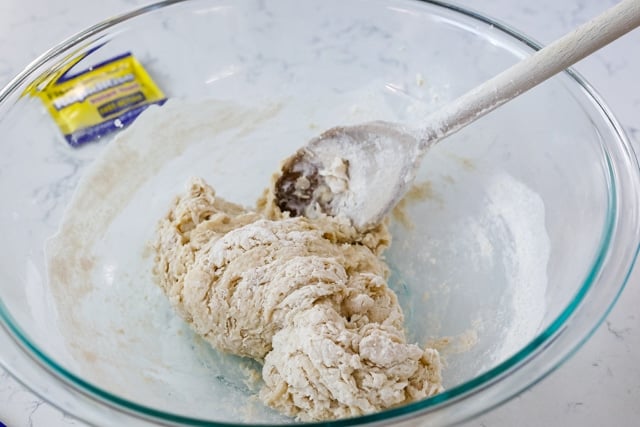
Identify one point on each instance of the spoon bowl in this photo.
(348, 170)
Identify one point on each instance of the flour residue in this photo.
(522, 213)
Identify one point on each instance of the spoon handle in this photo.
(557, 56)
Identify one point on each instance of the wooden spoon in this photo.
(362, 171)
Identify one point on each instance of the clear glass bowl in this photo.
(525, 234)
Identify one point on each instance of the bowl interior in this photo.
(496, 241)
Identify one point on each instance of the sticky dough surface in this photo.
(307, 298)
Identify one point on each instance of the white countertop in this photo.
(599, 385)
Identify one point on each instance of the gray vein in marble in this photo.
(619, 333)
(34, 407)
(574, 406)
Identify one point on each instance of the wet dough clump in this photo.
(307, 298)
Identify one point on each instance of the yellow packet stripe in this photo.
(103, 98)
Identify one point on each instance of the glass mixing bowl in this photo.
(522, 232)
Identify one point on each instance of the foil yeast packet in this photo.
(98, 100)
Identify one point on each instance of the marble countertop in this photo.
(599, 385)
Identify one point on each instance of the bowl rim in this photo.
(472, 387)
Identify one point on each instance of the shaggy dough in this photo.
(307, 298)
